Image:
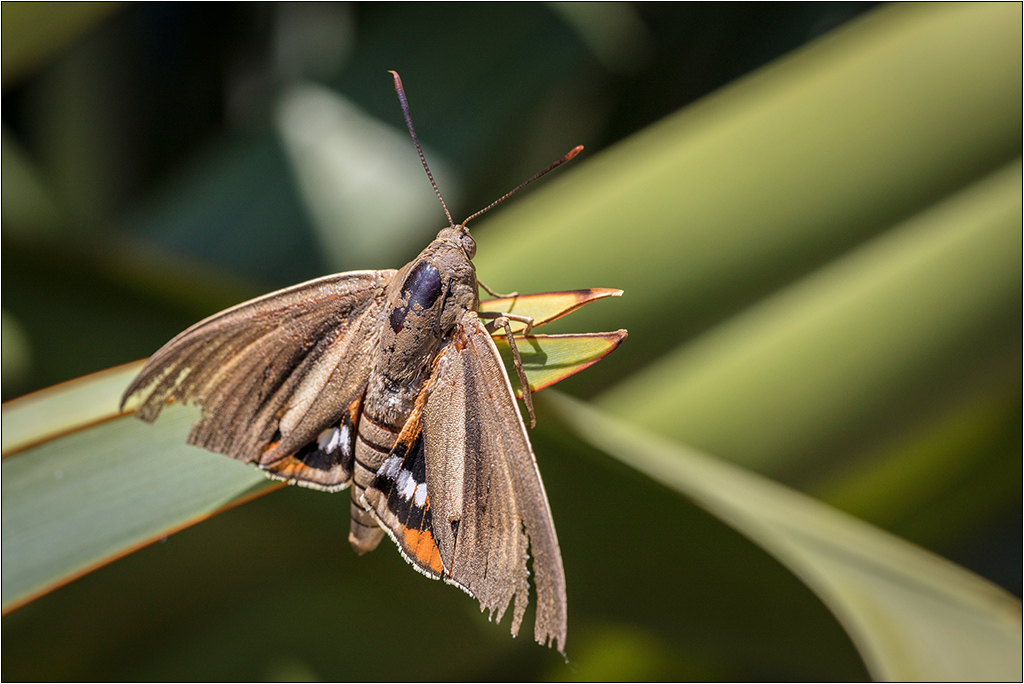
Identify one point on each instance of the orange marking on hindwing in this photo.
(287, 466)
(421, 545)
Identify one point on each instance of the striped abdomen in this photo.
(384, 412)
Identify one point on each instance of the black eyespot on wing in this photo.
(420, 290)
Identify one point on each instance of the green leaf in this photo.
(548, 359)
(911, 614)
(861, 340)
(546, 306)
(78, 501)
(44, 415)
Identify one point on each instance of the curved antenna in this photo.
(412, 132)
(568, 155)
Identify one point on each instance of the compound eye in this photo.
(468, 244)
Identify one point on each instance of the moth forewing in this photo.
(480, 520)
(534, 509)
(243, 364)
(450, 449)
(338, 373)
(475, 512)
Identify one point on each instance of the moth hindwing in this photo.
(388, 382)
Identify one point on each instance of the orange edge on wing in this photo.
(421, 545)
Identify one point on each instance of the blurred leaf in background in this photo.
(822, 275)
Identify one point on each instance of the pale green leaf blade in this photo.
(912, 615)
(85, 485)
(548, 359)
(45, 414)
(546, 306)
(75, 502)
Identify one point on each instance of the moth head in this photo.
(461, 237)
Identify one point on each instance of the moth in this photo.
(390, 382)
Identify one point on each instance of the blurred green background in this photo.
(821, 258)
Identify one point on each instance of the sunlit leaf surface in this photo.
(546, 307)
(74, 502)
(547, 359)
(48, 413)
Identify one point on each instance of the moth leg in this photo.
(526, 320)
(503, 321)
(496, 294)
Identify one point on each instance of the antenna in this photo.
(416, 141)
(412, 131)
(568, 155)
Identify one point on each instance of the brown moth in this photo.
(388, 381)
